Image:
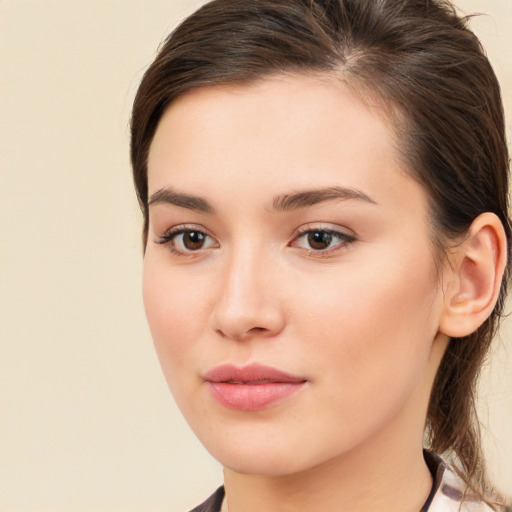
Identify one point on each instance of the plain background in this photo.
(86, 421)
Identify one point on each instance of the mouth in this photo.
(251, 388)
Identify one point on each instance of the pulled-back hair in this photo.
(421, 63)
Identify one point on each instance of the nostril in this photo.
(255, 330)
(241, 318)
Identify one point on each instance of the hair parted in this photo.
(417, 59)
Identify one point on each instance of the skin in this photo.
(359, 321)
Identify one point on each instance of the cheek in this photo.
(175, 309)
(369, 336)
(371, 317)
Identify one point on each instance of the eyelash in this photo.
(344, 240)
(170, 235)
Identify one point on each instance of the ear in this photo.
(473, 279)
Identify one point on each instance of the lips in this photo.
(252, 387)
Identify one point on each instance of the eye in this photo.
(321, 240)
(183, 240)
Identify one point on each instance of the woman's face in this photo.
(289, 281)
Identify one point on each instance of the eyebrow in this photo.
(307, 198)
(281, 203)
(170, 196)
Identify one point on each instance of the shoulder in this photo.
(451, 494)
(213, 503)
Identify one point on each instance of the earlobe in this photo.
(475, 276)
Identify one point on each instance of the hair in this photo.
(420, 58)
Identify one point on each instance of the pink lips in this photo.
(252, 387)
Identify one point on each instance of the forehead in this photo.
(322, 99)
(289, 131)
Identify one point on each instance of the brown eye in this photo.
(182, 241)
(193, 240)
(322, 241)
(319, 240)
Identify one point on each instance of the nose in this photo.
(248, 302)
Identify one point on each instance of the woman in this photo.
(324, 190)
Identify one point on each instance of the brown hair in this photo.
(417, 56)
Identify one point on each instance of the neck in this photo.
(400, 483)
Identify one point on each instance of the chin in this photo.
(261, 464)
(249, 452)
(265, 455)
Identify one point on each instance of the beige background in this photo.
(86, 421)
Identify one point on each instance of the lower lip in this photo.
(252, 397)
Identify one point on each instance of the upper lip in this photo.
(254, 373)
